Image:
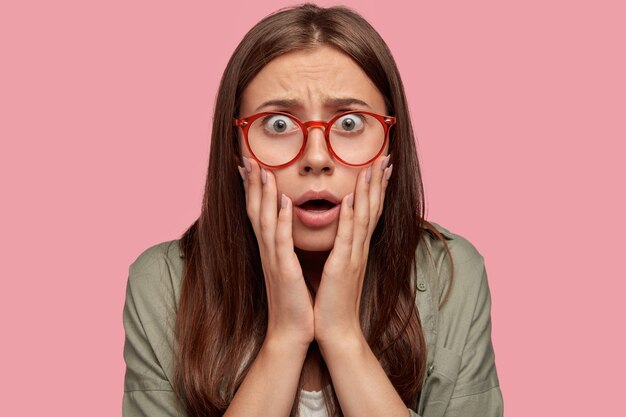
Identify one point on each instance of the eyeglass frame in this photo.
(245, 122)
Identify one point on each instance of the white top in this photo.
(312, 404)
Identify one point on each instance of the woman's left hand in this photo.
(338, 298)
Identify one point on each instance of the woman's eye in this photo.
(350, 122)
(278, 124)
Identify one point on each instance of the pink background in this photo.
(520, 116)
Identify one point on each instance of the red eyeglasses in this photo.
(278, 139)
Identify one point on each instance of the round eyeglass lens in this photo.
(356, 137)
(275, 139)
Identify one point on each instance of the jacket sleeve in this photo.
(147, 348)
(463, 380)
(477, 391)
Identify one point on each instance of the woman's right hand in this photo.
(290, 305)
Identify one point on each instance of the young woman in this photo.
(311, 284)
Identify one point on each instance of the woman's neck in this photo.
(312, 264)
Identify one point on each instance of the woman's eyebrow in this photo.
(348, 101)
(330, 102)
(289, 103)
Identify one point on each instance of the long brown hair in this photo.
(222, 313)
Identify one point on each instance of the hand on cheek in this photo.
(338, 298)
(290, 305)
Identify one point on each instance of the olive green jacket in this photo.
(461, 377)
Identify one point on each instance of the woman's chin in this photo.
(312, 247)
(315, 240)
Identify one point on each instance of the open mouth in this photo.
(317, 205)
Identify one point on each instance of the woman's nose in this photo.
(316, 157)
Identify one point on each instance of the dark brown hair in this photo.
(222, 312)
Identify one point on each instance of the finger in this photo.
(386, 176)
(269, 210)
(343, 241)
(242, 173)
(361, 212)
(253, 193)
(376, 185)
(285, 255)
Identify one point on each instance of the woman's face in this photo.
(312, 78)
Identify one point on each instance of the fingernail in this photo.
(368, 174)
(388, 174)
(385, 162)
(350, 200)
(246, 163)
(263, 176)
(242, 172)
(283, 201)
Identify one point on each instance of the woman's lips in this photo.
(317, 218)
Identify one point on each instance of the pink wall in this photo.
(519, 110)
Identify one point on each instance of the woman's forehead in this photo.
(323, 77)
